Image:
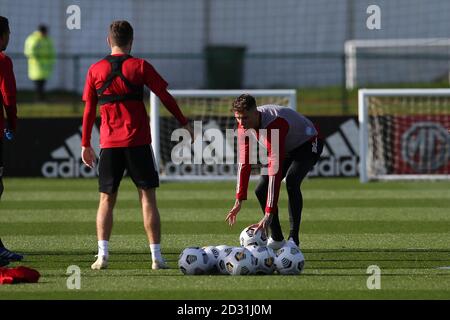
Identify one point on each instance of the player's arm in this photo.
(158, 85)
(8, 92)
(90, 109)
(243, 175)
(275, 142)
(169, 102)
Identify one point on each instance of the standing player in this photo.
(116, 83)
(292, 155)
(8, 102)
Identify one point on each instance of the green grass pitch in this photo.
(402, 227)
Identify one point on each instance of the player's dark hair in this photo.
(121, 33)
(4, 25)
(43, 29)
(244, 102)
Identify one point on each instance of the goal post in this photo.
(403, 60)
(404, 134)
(209, 109)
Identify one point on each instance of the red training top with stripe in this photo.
(7, 94)
(281, 131)
(124, 123)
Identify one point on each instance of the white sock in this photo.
(103, 248)
(155, 250)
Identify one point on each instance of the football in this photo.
(240, 261)
(224, 250)
(289, 261)
(213, 254)
(249, 237)
(194, 261)
(265, 259)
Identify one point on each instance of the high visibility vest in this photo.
(41, 56)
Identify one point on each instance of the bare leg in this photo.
(104, 228)
(105, 215)
(152, 225)
(150, 213)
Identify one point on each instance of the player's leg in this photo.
(111, 167)
(141, 167)
(150, 215)
(304, 159)
(296, 174)
(5, 255)
(105, 215)
(261, 194)
(1, 168)
(152, 225)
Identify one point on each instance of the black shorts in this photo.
(139, 162)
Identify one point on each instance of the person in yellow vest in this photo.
(40, 52)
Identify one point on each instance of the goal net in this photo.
(213, 155)
(404, 134)
(402, 61)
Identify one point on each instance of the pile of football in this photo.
(252, 257)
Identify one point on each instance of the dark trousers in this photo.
(40, 89)
(296, 165)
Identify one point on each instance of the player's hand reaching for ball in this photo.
(88, 156)
(263, 224)
(231, 217)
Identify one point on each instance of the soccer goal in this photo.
(402, 61)
(404, 134)
(213, 155)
